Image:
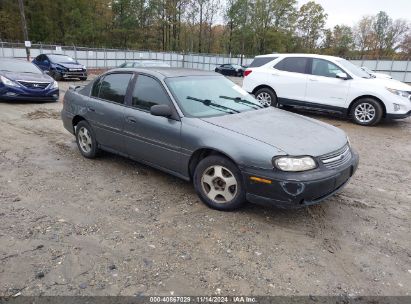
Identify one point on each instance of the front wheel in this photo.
(57, 76)
(83, 78)
(266, 97)
(218, 183)
(366, 112)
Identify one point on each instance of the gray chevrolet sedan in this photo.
(200, 126)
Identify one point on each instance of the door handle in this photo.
(313, 79)
(131, 120)
(91, 109)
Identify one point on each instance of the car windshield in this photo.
(207, 96)
(18, 66)
(60, 58)
(236, 66)
(357, 71)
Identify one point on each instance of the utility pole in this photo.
(24, 26)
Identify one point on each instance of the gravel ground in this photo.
(111, 226)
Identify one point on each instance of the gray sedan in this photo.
(200, 126)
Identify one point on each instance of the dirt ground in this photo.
(111, 226)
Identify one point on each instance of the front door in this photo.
(324, 88)
(152, 139)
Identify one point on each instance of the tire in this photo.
(366, 112)
(83, 78)
(219, 171)
(85, 139)
(57, 76)
(266, 97)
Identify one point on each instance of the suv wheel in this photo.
(366, 112)
(85, 139)
(219, 184)
(266, 97)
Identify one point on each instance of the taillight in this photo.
(247, 72)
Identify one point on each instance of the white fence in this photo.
(110, 58)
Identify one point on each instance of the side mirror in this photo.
(46, 72)
(161, 110)
(343, 76)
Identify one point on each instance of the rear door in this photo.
(324, 88)
(151, 138)
(289, 79)
(105, 110)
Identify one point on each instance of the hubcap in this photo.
(219, 184)
(84, 140)
(365, 112)
(264, 99)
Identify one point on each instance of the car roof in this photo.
(163, 72)
(298, 55)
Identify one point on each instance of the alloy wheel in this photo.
(219, 184)
(84, 140)
(365, 112)
(264, 99)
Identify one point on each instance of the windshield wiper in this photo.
(243, 101)
(209, 103)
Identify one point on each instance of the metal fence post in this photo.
(406, 71)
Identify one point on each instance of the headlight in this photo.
(55, 85)
(8, 82)
(400, 93)
(295, 164)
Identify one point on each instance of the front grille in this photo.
(337, 158)
(34, 85)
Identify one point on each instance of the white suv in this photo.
(326, 83)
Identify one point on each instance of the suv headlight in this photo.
(400, 93)
(295, 164)
(8, 82)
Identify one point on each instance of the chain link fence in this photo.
(101, 58)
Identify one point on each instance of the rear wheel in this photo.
(366, 112)
(86, 141)
(266, 97)
(219, 184)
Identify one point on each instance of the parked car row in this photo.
(329, 84)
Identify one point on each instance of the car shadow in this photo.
(337, 119)
(290, 218)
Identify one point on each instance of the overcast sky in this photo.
(348, 12)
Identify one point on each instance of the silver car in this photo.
(200, 126)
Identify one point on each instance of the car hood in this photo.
(27, 77)
(70, 65)
(293, 134)
(390, 83)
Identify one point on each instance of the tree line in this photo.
(234, 27)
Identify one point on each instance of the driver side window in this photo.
(325, 68)
(148, 92)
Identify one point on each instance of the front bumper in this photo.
(73, 74)
(25, 94)
(398, 116)
(294, 190)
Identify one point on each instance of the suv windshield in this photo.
(207, 96)
(18, 66)
(60, 58)
(357, 71)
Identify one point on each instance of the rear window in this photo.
(293, 64)
(260, 61)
